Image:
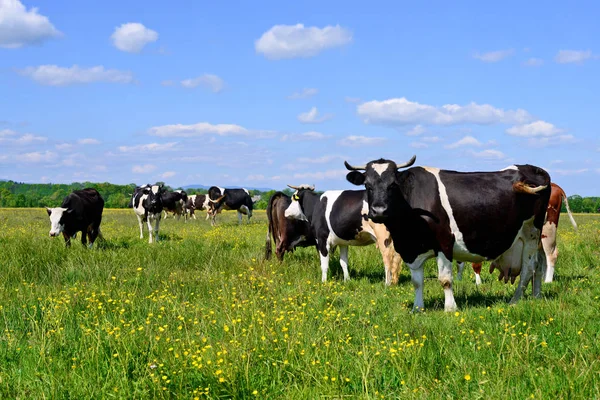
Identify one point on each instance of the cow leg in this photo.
(540, 266)
(149, 222)
(527, 271)
(550, 249)
(156, 226)
(139, 217)
(67, 239)
(391, 259)
(477, 270)
(249, 215)
(445, 278)
(324, 252)
(239, 218)
(344, 262)
(417, 277)
(461, 267)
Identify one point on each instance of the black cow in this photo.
(287, 234)
(174, 202)
(80, 211)
(196, 202)
(229, 199)
(338, 218)
(450, 215)
(148, 207)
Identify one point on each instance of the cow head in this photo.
(154, 203)
(58, 217)
(295, 209)
(381, 181)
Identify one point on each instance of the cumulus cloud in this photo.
(21, 27)
(167, 175)
(132, 37)
(354, 140)
(466, 141)
(37, 157)
(489, 154)
(8, 136)
(148, 148)
(534, 62)
(143, 169)
(419, 145)
(295, 41)
(199, 129)
(303, 94)
(417, 130)
(572, 56)
(312, 117)
(400, 111)
(88, 141)
(7, 132)
(306, 136)
(494, 56)
(208, 81)
(53, 75)
(534, 129)
(551, 141)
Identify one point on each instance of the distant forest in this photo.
(15, 194)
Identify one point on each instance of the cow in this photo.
(196, 202)
(557, 195)
(148, 207)
(467, 216)
(338, 219)
(174, 202)
(80, 211)
(229, 199)
(287, 234)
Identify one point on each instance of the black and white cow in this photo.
(196, 202)
(467, 216)
(229, 199)
(338, 219)
(80, 211)
(174, 202)
(148, 207)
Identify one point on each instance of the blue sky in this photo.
(265, 94)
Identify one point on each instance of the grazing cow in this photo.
(472, 216)
(196, 202)
(80, 211)
(174, 202)
(229, 199)
(338, 218)
(287, 234)
(148, 207)
(548, 236)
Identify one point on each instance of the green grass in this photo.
(201, 314)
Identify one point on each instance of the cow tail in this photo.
(564, 195)
(268, 246)
(522, 187)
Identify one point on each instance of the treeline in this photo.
(15, 194)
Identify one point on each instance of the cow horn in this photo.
(408, 163)
(351, 168)
(522, 187)
(294, 187)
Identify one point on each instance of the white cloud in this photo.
(132, 37)
(534, 129)
(330, 174)
(199, 129)
(489, 154)
(312, 117)
(466, 141)
(572, 56)
(88, 141)
(352, 100)
(37, 157)
(551, 141)
(304, 94)
(9, 137)
(417, 130)
(148, 148)
(534, 62)
(400, 111)
(319, 160)
(209, 81)
(494, 56)
(143, 169)
(7, 132)
(294, 41)
(63, 146)
(21, 27)
(354, 140)
(419, 145)
(53, 75)
(167, 175)
(299, 137)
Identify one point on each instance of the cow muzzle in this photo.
(378, 213)
(54, 234)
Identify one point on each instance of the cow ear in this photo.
(69, 211)
(49, 211)
(356, 178)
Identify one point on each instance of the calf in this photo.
(174, 202)
(80, 211)
(148, 207)
(196, 202)
(338, 218)
(450, 215)
(548, 236)
(287, 234)
(229, 199)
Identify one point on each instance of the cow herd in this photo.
(411, 213)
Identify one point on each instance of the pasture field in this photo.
(201, 314)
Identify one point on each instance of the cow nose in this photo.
(378, 211)
(52, 234)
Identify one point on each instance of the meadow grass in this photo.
(202, 314)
